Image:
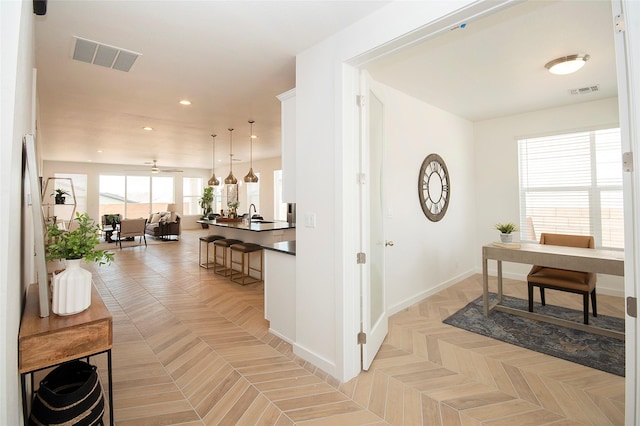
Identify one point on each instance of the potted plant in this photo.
(72, 287)
(205, 203)
(506, 231)
(60, 195)
(233, 208)
(113, 219)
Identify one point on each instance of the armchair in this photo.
(132, 228)
(559, 279)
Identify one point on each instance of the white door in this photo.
(374, 315)
(626, 14)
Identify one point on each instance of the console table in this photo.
(53, 340)
(573, 258)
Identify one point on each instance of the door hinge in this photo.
(362, 178)
(627, 161)
(632, 307)
(360, 100)
(362, 338)
(361, 258)
(619, 23)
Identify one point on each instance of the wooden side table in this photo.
(53, 340)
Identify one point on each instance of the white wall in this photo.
(16, 33)
(426, 255)
(496, 163)
(327, 295)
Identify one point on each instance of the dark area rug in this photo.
(593, 350)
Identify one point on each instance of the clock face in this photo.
(433, 187)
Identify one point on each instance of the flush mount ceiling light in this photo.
(214, 180)
(567, 64)
(147, 128)
(251, 177)
(231, 179)
(185, 102)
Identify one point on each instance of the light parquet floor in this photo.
(192, 348)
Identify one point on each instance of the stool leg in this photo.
(200, 254)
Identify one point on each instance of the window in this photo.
(112, 191)
(138, 192)
(572, 184)
(135, 196)
(79, 187)
(191, 192)
(161, 193)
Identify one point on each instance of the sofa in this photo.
(163, 225)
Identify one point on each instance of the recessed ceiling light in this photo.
(99, 151)
(148, 128)
(185, 102)
(567, 64)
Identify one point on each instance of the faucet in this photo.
(254, 210)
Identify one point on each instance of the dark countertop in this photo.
(286, 247)
(254, 227)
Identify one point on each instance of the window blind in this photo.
(572, 184)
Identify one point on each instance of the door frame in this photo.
(628, 107)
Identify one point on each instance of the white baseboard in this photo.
(281, 336)
(429, 292)
(315, 359)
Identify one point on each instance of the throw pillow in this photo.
(155, 218)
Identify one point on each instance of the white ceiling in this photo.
(495, 66)
(231, 59)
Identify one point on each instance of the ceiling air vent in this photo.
(584, 90)
(102, 54)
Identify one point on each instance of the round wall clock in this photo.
(434, 189)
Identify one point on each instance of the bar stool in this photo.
(206, 240)
(223, 244)
(245, 250)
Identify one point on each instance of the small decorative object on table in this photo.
(72, 287)
(506, 231)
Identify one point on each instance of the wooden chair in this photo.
(560, 279)
(132, 228)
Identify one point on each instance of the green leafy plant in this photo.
(60, 192)
(113, 218)
(233, 204)
(206, 200)
(506, 228)
(77, 244)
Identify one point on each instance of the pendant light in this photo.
(214, 180)
(251, 177)
(231, 179)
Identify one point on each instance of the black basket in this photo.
(71, 394)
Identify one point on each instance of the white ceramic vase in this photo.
(71, 289)
(506, 238)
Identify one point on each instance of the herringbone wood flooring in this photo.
(191, 348)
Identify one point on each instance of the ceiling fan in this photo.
(156, 169)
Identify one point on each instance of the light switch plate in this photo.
(310, 220)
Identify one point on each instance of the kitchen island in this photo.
(280, 289)
(258, 232)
